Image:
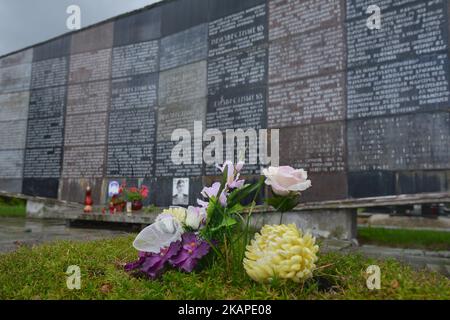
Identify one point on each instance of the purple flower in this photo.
(233, 174)
(192, 250)
(153, 263)
(213, 191)
(239, 166)
(203, 204)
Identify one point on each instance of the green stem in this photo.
(214, 248)
(252, 207)
(282, 204)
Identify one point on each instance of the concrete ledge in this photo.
(44, 208)
(329, 220)
(49, 210)
(49, 201)
(335, 224)
(135, 218)
(328, 224)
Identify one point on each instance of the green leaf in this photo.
(223, 182)
(240, 194)
(237, 208)
(284, 203)
(214, 210)
(226, 223)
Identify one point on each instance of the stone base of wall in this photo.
(43, 209)
(327, 223)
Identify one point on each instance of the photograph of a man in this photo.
(180, 191)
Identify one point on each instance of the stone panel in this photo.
(94, 38)
(326, 186)
(237, 110)
(15, 78)
(357, 8)
(139, 27)
(134, 92)
(135, 59)
(90, 66)
(88, 97)
(132, 126)
(316, 148)
(41, 187)
(43, 163)
(312, 100)
(382, 183)
(49, 73)
(84, 161)
(407, 32)
(22, 57)
(411, 182)
(86, 129)
(289, 17)
(130, 160)
(409, 142)
(14, 106)
(47, 103)
(420, 84)
(184, 47)
(46, 132)
(74, 190)
(11, 185)
(238, 31)
(241, 152)
(220, 8)
(11, 163)
(56, 48)
(237, 69)
(307, 55)
(181, 115)
(166, 168)
(431, 181)
(13, 134)
(183, 83)
(183, 14)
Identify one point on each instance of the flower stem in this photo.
(252, 207)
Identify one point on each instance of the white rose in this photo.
(285, 180)
(178, 213)
(195, 217)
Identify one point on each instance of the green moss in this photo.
(39, 273)
(414, 239)
(11, 207)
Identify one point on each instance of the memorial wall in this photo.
(366, 112)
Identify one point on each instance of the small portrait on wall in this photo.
(180, 194)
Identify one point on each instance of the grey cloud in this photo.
(27, 22)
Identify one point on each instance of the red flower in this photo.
(144, 191)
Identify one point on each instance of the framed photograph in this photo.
(180, 191)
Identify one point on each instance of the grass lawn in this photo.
(12, 207)
(402, 238)
(39, 273)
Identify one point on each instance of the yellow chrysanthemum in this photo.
(281, 251)
(178, 213)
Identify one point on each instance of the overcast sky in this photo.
(26, 22)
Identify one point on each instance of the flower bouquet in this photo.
(117, 202)
(136, 196)
(219, 228)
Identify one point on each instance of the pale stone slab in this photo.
(14, 106)
(184, 83)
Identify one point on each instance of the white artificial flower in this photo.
(285, 180)
(195, 217)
